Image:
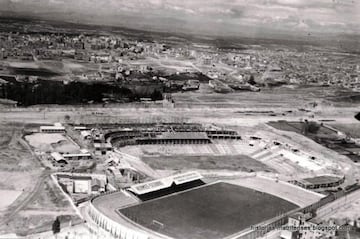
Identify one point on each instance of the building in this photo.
(58, 158)
(56, 128)
(302, 226)
(82, 184)
(222, 134)
(165, 186)
(177, 138)
(97, 186)
(86, 135)
(320, 182)
(80, 128)
(83, 155)
(102, 148)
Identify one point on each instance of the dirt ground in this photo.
(51, 142)
(352, 130)
(29, 200)
(229, 162)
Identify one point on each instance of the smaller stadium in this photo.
(184, 206)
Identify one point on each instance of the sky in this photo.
(220, 17)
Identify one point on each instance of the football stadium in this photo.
(184, 206)
(234, 193)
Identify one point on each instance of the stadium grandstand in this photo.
(167, 133)
(166, 186)
(177, 138)
(203, 211)
(319, 182)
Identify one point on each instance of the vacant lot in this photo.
(324, 136)
(8, 197)
(297, 127)
(209, 212)
(29, 200)
(14, 155)
(351, 129)
(230, 162)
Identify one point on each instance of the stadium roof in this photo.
(186, 177)
(52, 127)
(324, 179)
(159, 184)
(183, 135)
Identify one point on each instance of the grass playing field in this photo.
(209, 212)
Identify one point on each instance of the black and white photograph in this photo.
(179, 119)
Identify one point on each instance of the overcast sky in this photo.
(210, 16)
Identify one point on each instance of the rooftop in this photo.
(57, 156)
(324, 179)
(158, 184)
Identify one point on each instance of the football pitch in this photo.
(209, 212)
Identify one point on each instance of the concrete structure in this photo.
(97, 186)
(177, 138)
(86, 135)
(167, 133)
(56, 128)
(320, 182)
(103, 208)
(108, 222)
(102, 148)
(301, 226)
(155, 185)
(223, 134)
(105, 213)
(82, 184)
(58, 158)
(83, 155)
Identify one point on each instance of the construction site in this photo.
(83, 159)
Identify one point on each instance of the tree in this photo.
(156, 95)
(252, 80)
(56, 226)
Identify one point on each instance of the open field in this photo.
(36, 212)
(208, 212)
(229, 162)
(14, 155)
(280, 97)
(26, 189)
(55, 66)
(11, 196)
(324, 136)
(350, 129)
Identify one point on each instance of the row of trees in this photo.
(54, 92)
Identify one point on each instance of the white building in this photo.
(56, 128)
(82, 184)
(83, 155)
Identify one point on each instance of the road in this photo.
(339, 205)
(29, 198)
